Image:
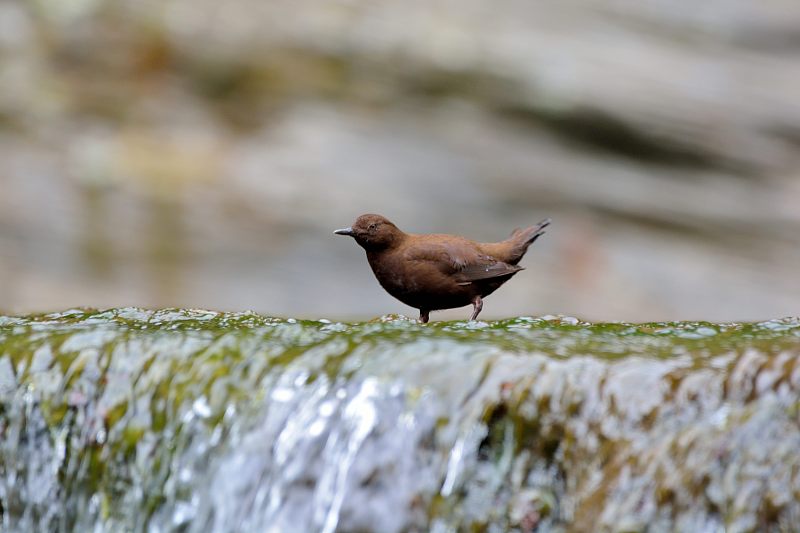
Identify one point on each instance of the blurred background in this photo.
(199, 153)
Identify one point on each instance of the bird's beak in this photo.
(344, 231)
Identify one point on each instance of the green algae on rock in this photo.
(186, 420)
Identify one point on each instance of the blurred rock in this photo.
(185, 154)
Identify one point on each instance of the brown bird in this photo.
(432, 272)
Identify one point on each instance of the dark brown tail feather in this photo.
(520, 239)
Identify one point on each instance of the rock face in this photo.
(176, 421)
(190, 155)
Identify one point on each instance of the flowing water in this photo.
(195, 421)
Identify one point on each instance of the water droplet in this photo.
(201, 407)
(282, 394)
(316, 428)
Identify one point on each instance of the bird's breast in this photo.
(392, 273)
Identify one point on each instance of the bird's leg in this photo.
(477, 303)
(423, 316)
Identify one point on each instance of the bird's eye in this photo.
(373, 227)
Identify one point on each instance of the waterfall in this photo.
(196, 421)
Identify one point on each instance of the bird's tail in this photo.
(517, 243)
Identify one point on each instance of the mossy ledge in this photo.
(197, 421)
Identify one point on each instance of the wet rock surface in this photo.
(188, 420)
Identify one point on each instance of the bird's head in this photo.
(373, 232)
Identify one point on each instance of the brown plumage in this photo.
(431, 272)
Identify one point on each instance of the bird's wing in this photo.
(461, 261)
(487, 270)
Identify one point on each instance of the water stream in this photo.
(195, 421)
